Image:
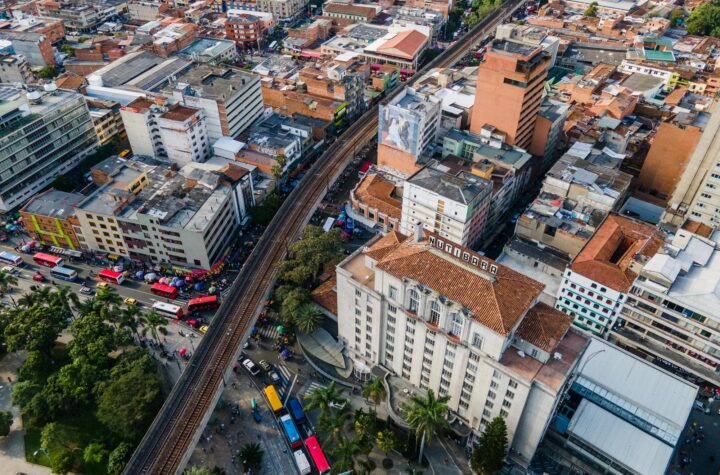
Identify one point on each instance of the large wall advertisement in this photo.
(399, 128)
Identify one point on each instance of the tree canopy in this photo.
(487, 457)
(705, 20)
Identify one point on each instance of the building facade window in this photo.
(414, 301)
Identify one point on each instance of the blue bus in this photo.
(291, 431)
(63, 273)
(297, 411)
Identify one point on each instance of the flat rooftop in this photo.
(54, 204)
(452, 178)
(208, 47)
(514, 48)
(215, 82)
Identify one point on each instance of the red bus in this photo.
(317, 455)
(206, 302)
(167, 291)
(112, 277)
(48, 260)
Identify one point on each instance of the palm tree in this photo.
(153, 323)
(308, 318)
(333, 423)
(427, 416)
(374, 390)
(108, 297)
(89, 305)
(130, 319)
(251, 455)
(344, 453)
(7, 280)
(321, 398)
(63, 297)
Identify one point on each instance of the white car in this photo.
(10, 270)
(86, 290)
(250, 366)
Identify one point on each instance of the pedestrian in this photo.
(9, 379)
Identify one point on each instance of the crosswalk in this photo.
(313, 387)
(284, 372)
(269, 332)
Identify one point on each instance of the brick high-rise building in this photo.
(509, 90)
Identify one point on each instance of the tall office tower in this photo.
(510, 90)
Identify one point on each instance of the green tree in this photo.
(6, 420)
(488, 455)
(333, 424)
(292, 302)
(24, 392)
(251, 456)
(62, 462)
(592, 10)
(118, 458)
(34, 329)
(7, 280)
(56, 437)
(427, 416)
(93, 339)
(68, 50)
(308, 318)
(263, 213)
(705, 20)
(48, 72)
(676, 16)
(345, 452)
(130, 398)
(385, 440)
(94, 453)
(321, 398)
(37, 367)
(472, 19)
(374, 390)
(154, 324)
(315, 249)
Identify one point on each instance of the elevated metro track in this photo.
(173, 434)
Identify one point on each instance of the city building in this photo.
(284, 11)
(36, 48)
(671, 148)
(172, 38)
(607, 7)
(147, 11)
(44, 133)
(349, 13)
(14, 68)
(247, 29)
(548, 135)
(375, 202)
(210, 50)
(106, 119)
(399, 46)
(620, 414)
(76, 17)
(449, 197)
(230, 98)
(176, 132)
(440, 316)
(338, 81)
(670, 315)
(49, 218)
(595, 284)
(510, 90)
(408, 125)
(144, 210)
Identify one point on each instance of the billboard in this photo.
(399, 128)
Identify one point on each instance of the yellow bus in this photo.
(272, 396)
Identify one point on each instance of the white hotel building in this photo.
(445, 318)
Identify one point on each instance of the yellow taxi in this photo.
(130, 301)
(102, 285)
(203, 329)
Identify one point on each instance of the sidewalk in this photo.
(12, 447)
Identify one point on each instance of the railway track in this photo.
(165, 447)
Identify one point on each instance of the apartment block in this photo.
(106, 119)
(44, 133)
(49, 218)
(282, 10)
(510, 90)
(671, 313)
(231, 99)
(442, 317)
(147, 11)
(144, 210)
(449, 197)
(14, 68)
(246, 29)
(596, 283)
(408, 125)
(76, 17)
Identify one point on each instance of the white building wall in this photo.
(594, 306)
(420, 205)
(138, 132)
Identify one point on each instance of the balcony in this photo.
(412, 314)
(454, 338)
(432, 326)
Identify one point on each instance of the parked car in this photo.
(10, 270)
(251, 367)
(102, 285)
(130, 301)
(274, 376)
(265, 365)
(203, 329)
(38, 277)
(86, 290)
(256, 416)
(193, 323)
(699, 406)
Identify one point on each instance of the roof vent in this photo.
(50, 87)
(34, 96)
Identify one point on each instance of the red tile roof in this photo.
(544, 327)
(497, 301)
(325, 295)
(376, 192)
(617, 243)
(406, 44)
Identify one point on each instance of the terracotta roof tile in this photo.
(544, 327)
(325, 295)
(607, 257)
(696, 227)
(405, 44)
(497, 301)
(376, 192)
